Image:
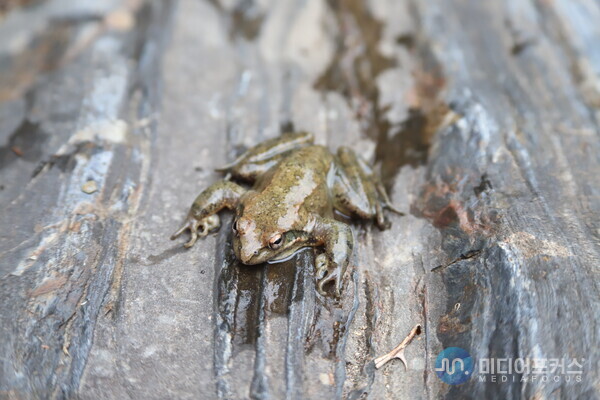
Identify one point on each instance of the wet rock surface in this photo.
(482, 116)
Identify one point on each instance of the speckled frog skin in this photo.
(296, 187)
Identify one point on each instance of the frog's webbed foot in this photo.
(385, 199)
(327, 274)
(197, 228)
(383, 222)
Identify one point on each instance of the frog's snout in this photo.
(245, 254)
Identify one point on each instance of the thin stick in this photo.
(398, 351)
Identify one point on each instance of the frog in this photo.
(288, 193)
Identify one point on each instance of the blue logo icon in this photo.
(454, 365)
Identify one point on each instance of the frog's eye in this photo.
(234, 226)
(276, 241)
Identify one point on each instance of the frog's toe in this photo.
(385, 199)
(320, 287)
(321, 266)
(383, 222)
(332, 276)
(389, 206)
(190, 223)
(193, 238)
(325, 275)
(179, 232)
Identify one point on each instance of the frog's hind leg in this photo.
(358, 190)
(259, 159)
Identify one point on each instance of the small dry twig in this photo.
(398, 351)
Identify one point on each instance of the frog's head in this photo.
(255, 242)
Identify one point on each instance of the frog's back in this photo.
(295, 187)
(316, 158)
(307, 165)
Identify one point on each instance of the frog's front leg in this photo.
(337, 240)
(203, 217)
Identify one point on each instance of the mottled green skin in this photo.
(296, 188)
